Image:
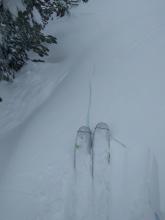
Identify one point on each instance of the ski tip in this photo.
(102, 125)
(84, 129)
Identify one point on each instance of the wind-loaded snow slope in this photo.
(116, 48)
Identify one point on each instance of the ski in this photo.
(101, 171)
(82, 174)
(82, 148)
(100, 145)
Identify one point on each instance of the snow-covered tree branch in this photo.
(21, 30)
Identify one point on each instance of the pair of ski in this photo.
(92, 145)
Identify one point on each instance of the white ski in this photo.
(101, 171)
(100, 146)
(82, 174)
(82, 149)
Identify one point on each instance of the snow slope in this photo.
(116, 48)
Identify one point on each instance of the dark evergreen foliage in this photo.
(7, 32)
(23, 33)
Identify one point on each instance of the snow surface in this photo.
(108, 66)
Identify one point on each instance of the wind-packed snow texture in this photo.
(108, 67)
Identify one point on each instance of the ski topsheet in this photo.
(82, 174)
(101, 171)
(82, 149)
(91, 166)
(100, 146)
(92, 148)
